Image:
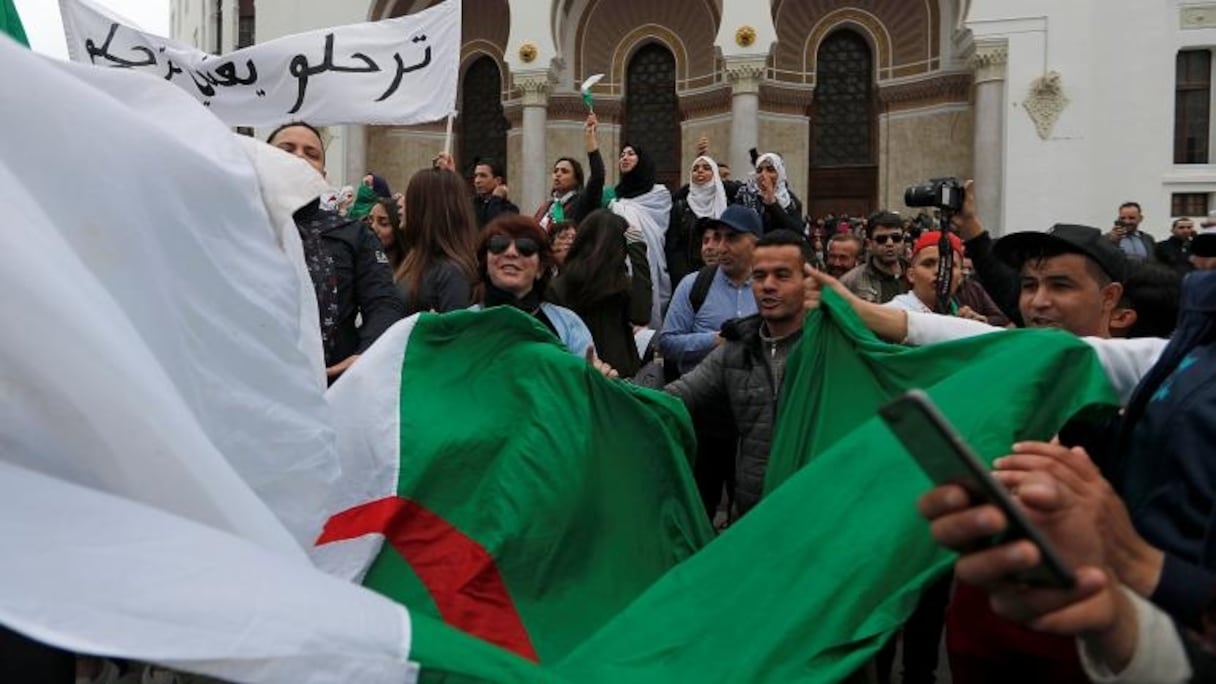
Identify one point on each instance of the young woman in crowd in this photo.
(561, 236)
(569, 200)
(767, 192)
(385, 222)
(608, 294)
(703, 197)
(646, 205)
(440, 264)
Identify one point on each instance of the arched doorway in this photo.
(652, 116)
(843, 171)
(483, 127)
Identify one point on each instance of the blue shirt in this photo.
(686, 338)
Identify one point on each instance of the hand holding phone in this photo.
(947, 459)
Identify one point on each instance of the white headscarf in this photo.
(783, 191)
(708, 200)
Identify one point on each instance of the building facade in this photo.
(1060, 111)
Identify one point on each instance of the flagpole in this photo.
(447, 136)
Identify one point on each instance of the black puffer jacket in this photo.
(737, 373)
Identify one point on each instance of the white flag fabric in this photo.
(396, 71)
(93, 573)
(166, 441)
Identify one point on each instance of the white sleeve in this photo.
(930, 328)
(1160, 657)
(1127, 361)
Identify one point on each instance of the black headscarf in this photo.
(640, 180)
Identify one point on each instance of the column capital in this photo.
(534, 86)
(989, 60)
(746, 74)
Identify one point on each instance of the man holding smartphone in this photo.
(1126, 233)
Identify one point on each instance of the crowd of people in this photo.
(702, 293)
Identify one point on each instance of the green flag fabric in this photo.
(531, 499)
(10, 22)
(808, 586)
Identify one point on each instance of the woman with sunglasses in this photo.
(515, 263)
(606, 281)
(439, 268)
(767, 192)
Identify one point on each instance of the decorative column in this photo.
(744, 76)
(989, 62)
(534, 87)
(355, 161)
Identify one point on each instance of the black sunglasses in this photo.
(525, 246)
(894, 237)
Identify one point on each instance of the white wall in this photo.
(1114, 141)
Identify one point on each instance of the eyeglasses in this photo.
(895, 238)
(525, 246)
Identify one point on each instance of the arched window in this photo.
(843, 174)
(483, 128)
(652, 116)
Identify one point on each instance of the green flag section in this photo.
(534, 499)
(10, 22)
(811, 582)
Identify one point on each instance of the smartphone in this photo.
(947, 459)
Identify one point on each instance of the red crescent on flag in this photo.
(459, 573)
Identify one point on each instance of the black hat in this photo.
(1204, 243)
(1015, 248)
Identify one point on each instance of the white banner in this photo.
(396, 71)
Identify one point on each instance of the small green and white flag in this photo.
(585, 89)
(10, 22)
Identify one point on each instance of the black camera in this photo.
(944, 193)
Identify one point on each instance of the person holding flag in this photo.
(569, 199)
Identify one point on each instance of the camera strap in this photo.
(945, 270)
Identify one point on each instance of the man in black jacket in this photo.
(491, 199)
(1175, 251)
(746, 370)
(348, 267)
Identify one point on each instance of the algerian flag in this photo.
(10, 23)
(585, 89)
(808, 586)
(501, 483)
(163, 419)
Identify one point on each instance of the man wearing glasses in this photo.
(881, 278)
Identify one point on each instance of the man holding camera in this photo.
(881, 278)
(1137, 245)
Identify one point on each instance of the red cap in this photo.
(932, 238)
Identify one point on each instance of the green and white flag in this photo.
(10, 23)
(502, 484)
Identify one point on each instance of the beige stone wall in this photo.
(397, 153)
(717, 129)
(917, 146)
(789, 136)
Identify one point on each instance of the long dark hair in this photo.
(439, 224)
(595, 266)
(396, 251)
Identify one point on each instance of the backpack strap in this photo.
(700, 287)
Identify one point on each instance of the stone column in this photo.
(535, 88)
(989, 63)
(744, 76)
(355, 162)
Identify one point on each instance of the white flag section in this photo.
(93, 573)
(166, 441)
(396, 71)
